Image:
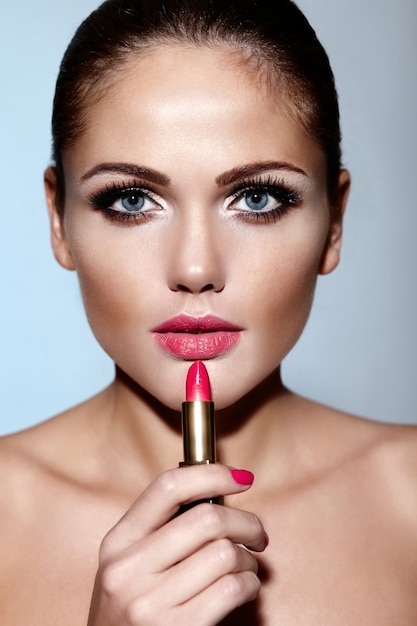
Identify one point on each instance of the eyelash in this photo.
(285, 195)
(103, 199)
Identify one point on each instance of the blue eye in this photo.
(134, 201)
(264, 199)
(126, 202)
(256, 200)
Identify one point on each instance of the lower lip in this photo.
(193, 346)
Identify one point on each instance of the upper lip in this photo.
(190, 324)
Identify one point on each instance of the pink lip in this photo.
(192, 338)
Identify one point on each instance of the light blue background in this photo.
(359, 350)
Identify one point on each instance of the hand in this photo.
(157, 567)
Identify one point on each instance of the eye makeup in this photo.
(138, 203)
(279, 195)
(259, 199)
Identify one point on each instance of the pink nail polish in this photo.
(242, 477)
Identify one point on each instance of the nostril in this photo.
(207, 287)
(180, 287)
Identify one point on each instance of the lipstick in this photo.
(198, 427)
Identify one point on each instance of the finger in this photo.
(211, 605)
(193, 575)
(199, 526)
(161, 500)
(221, 598)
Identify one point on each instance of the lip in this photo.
(188, 337)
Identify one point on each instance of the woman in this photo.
(198, 187)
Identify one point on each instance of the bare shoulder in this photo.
(53, 516)
(31, 468)
(390, 449)
(376, 460)
(57, 449)
(395, 443)
(394, 459)
(29, 459)
(49, 475)
(379, 457)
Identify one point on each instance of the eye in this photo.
(133, 201)
(256, 200)
(264, 199)
(125, 202)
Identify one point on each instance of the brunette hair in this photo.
(274, 38)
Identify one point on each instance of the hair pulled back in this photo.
(274, 38)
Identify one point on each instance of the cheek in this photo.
(105, 296)
(114, 282)
(284, 284)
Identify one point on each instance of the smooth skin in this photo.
(89, 532)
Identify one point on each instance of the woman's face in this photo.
(197, 218)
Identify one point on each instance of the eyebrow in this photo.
(237, 173)
(128, 168)
(227, 178)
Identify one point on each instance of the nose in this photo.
(196, 263)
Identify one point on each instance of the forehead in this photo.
(173, 100)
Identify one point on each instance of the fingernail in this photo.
(242, 477)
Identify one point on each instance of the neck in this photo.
(247, 431)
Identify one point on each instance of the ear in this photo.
(331, 253)
(59, 241)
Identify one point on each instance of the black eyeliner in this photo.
(284, 194)
(103, 199)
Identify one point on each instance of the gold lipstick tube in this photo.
(198, 433)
